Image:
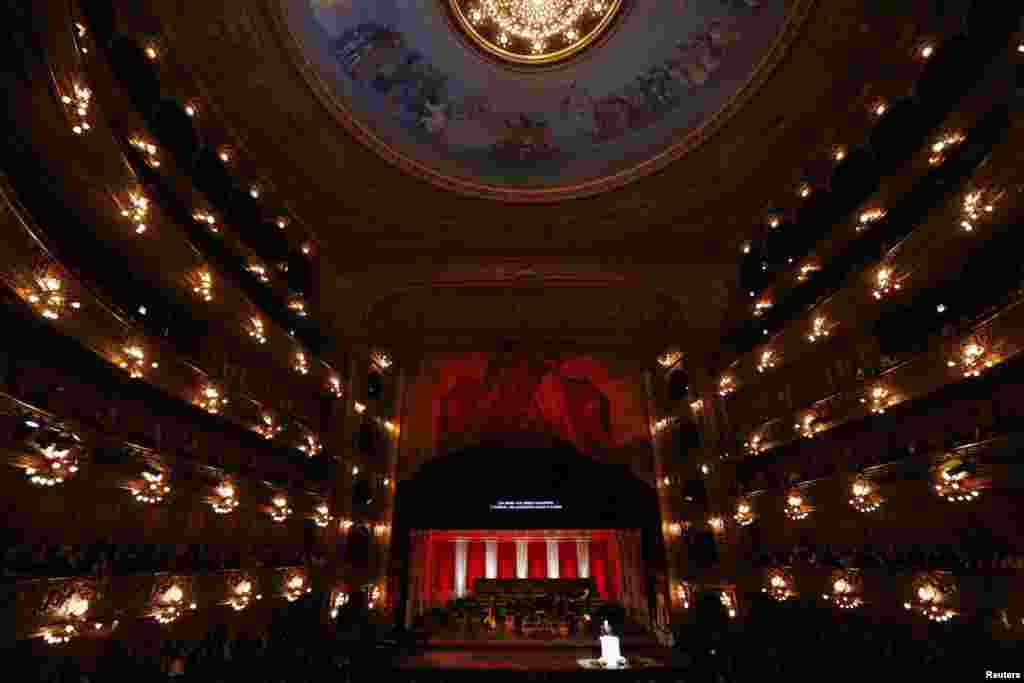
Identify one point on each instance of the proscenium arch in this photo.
(455, 491)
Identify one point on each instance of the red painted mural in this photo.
(515, 397)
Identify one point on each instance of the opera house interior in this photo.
(331, 354)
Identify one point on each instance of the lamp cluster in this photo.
(280, 511)
(202, 285)
(760, 307)
(60, 461)
(729, 603)
(809, 426)
(726, 385)
(225, 501)
(334, 387)
(744, 513)
(796, 507)
(941, 147)
(206, 218)
(171, 605)
(148, 150)
(768, 360)
(301, 364)
(241, 596)
(48, 298)
(136, 211)
(928, 599)
(880, 399)
(298, 307)
(975, 206)
(956, 483)
(340, 600)
(322, 515)
(779, 586)
(669, 358)
(755, 445)
(806, 270)
(154, 490)
(259, 271)
(381, 360)
(77, 103)
(885, 283)
(820, 329)
(311, 445)
(845, 593)
(869, 218)
(268, 427)
(296, 587)
(864, 497)
(134, 361)
(210, 400)
(974, 359)
(255, 329)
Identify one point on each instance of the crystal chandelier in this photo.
(846, 589)
(225, 501)
(534, 31)
(154, 490)
(268, 427)
(47, 295)
(864, 497)
(780, 585)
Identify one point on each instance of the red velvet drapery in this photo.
(444, 570)
(506, 559)
(567, 565)
(537, 559)
(599, 566)
(476, 567)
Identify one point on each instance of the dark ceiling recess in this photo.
(959, 64)
(902, 218)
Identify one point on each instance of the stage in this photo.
(546, 660)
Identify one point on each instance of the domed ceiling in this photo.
(536, 99)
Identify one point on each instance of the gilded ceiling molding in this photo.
(791, 31)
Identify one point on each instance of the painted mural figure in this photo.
(524, 395)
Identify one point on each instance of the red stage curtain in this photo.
(506, 559)
(537, 557)
(567, 566)
(444, 570)
(476, 566)
(599, 566)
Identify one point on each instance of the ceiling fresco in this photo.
(402, 77)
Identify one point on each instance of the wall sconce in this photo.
(728, 602)
(809, 426)
(322, 515)
(974, 359)
(774, 221)
(301, 365)
(796, 506)
(839, 153)
(865, 497)
(77, 103)
(358, 407)
(869, 217)
(880, 399)
(885, 283)
(804, 191)
(931, 595)
(355, 470)
(669, 358)
(806, 270)
(59, 459)
(295, 587)
(726, 385)
(697, 406)
(755, 445)
(380, 360)
(761, 307)
(259, 271)
(152, 51)
(926, 50)
(169, 603)
(240, 594)
(225, 501)
(136, 210)
(845, 589)
(134, 361)
(255, 191)
(206, 218)
(226, 154)
(744, 513)
(683, 596)
(210, 400)
(390, 426)
(334, 387)
(339, 601)
(298, 307)
(191, 109)
(768, 360)
(779, 585)
(941, 147)
(154, 489)
(148, 150)
(956, 482)
(279, 511)
(879, 107)
(255, 330)
(267, 427)
(46, 295)
(820, 329)
(202, 285)
(976, 205)
(311, 445)
(717, 524)
(345, 524)
(705, 469)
